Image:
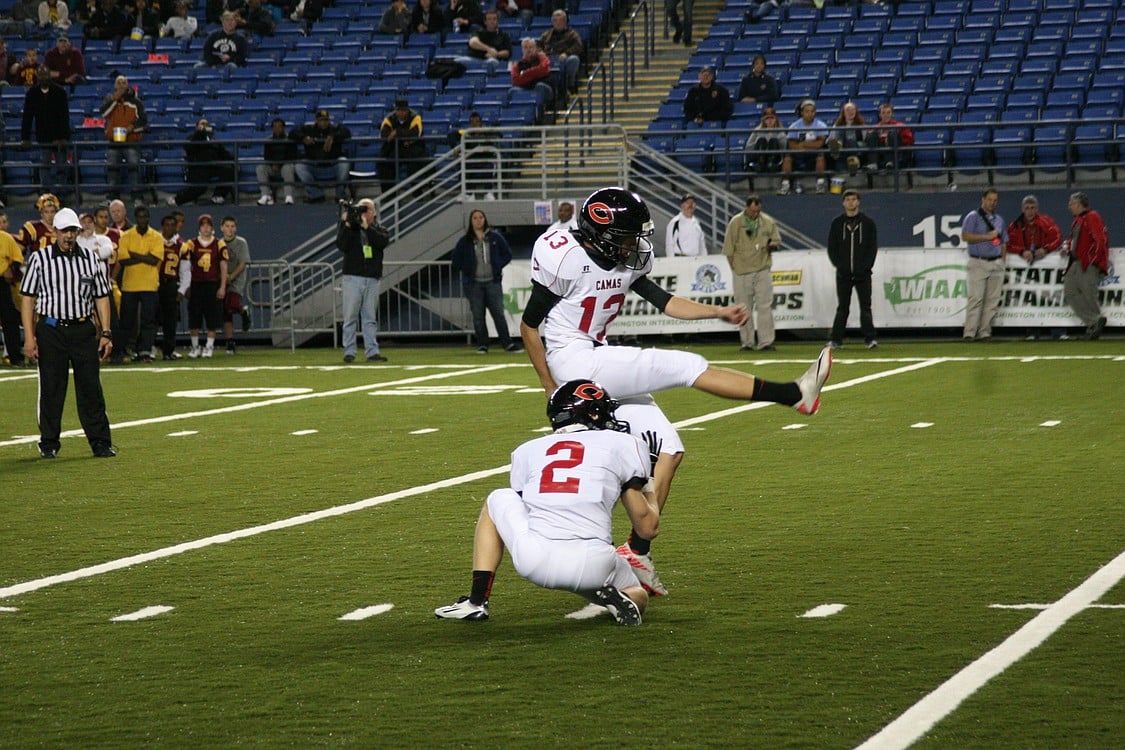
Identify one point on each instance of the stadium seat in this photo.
(1094, 146)
(971, 149)
(1050, 147)
(695, 151)
(1020, 35)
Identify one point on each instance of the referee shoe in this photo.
(104, 450)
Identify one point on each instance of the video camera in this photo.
(352, 212)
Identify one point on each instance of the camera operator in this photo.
(361, 241)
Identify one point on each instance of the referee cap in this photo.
(67, 219)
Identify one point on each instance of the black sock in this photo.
(482, 586)
(639, 544)
(780, 393)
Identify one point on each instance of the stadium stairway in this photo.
(670, 60)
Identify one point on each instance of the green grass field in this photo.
(917, 529)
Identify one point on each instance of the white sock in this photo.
(195, 341)
(210, 342)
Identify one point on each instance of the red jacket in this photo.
(1041, 233)
(1089, 240)
(525, 75)
(905, 134)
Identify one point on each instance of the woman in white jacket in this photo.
(53, 14)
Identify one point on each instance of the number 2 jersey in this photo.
(591, 297)
(570, 481)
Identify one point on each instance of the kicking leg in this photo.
(803, 394)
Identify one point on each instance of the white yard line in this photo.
(364, 612)
(142, 614)
(923, 715)
(269, 402)
(339, 510)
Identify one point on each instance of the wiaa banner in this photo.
(911, 288)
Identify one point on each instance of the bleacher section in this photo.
(343, 65)
(1003, 85)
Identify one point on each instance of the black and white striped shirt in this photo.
(64, 285)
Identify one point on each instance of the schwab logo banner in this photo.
(911, 288)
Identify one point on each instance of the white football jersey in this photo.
(570, 481)
(591, 297)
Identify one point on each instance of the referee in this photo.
(62, 285)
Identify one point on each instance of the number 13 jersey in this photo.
(591, 296)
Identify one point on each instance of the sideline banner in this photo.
(911, 288)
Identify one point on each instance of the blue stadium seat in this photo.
(1019, 114)
(1012, 35)
(939, 116)
(1094, 146)
(951, 7)
(884, 71)
(855, 56)
(695, 151)
(914, 87)
(925, 70)
(974, 36)
(942, 23)
(979, 116)
(897, 55)
(982, 21)
(1106, 96)
(878, 90)
(939, 38)
(971, 151)
(1006, 50)
(1018, 19)
(1065, 98)
(1098, 111)
(823, 41)
(999, 67)
(935, 54)
(1025, 99)
(1039, 65)
(907, 39)
(949, 102)
(1012, 151)
(931, 151)
(986, 6)
(871, 25)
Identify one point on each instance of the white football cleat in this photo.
(645, 570)
(208, 352)
(463, 609)
(623, 609)
(812, 381)
(194, 353)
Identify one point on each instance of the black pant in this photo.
(10, 324)
(136, 305)
(61, 348)
(199, 178)
(845, 282)
(169, 313)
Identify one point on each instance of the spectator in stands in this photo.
(464, 16)
(846, 141)
(532, 72)
(125, 124)
(66, 63)
(403, 150)
(766, 144)
(760, 10)
(396, 19)
(805, 142)
(48, 107)
(1088, 248)
(512, 8)
(708, 100)
(324, 156)
(109, 22)
(82, 12)
(684, 235)
(886, 138)
(426, 18)
(752, 237)
(21, 21)
(682, 28)
(758, 85)
(5, 64)
(1031, 236)
(985, 234)
(26, 71)
(491, 43)
(280, 154)
(146, 18)
(563, 46)
(181, 25)
(309, 12)
(225, 47)
(208, 161)
(54, 15)
(257, 20)
(480, 163)
(213, 10)
(480, 256)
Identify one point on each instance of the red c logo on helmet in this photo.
(600, 213)
(589, 392)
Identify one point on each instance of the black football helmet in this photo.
(583, 402)
(615, 224)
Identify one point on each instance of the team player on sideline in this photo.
(580, 279)
(38, 234)
(207, 257)
(556, 518)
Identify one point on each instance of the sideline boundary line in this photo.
(339, 510)
(923, 715)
